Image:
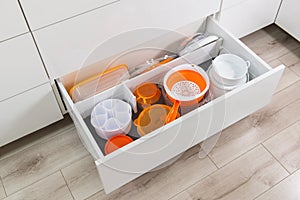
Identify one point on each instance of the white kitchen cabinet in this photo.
(43, 13)
(161, 145)
(230, 3)
(12, 22)
(244, 17)
(27, 112)
(289, 17)
(21, 66)
(65, 46)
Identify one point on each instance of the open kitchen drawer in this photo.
(154, 149)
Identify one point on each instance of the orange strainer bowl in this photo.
(185, 85)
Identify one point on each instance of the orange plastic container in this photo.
(99, 82)
(147, 94)
(116, 142)
(152, 118)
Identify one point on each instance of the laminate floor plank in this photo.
(40, 160)
(239, 138)
(2, 191)
(296, 68)
(291, 58)
(285, 146)
(288, 189)
(52, 187)
(271, 43)
(245, 178)
(82, 178)
(36, 137)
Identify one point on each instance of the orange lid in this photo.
(147, 93)
(116, 142)
(152, 118)
(117, 69)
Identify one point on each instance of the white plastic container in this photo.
(111, 117)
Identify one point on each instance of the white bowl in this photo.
(111, 117)
(230, 69)
(218, 89)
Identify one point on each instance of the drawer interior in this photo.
(81, 110)
(125, 93)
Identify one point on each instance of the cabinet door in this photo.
(248, 16)
(27, 112)
(289, 17)
(12, 22)
(20, 65)
(42, 13)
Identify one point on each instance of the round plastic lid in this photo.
(147, 93)
(152, 118)
(116, 142)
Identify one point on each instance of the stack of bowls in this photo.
(227, 72)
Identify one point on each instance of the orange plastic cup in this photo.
(147, 94)
(116, 142)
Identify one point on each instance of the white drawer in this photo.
(248, 16)
(27, 112)
(76, 37)
(12, 22)
(152, 150)
(43, 13)
(21, 66)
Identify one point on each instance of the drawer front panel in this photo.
(249, 16)
(43, 13)
(27, 112)
(175, 138)
(12, 22)
(21, 66)
(80, 35)
(154, 149)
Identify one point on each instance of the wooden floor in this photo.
(257, 158)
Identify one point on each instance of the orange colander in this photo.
(185, 85)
